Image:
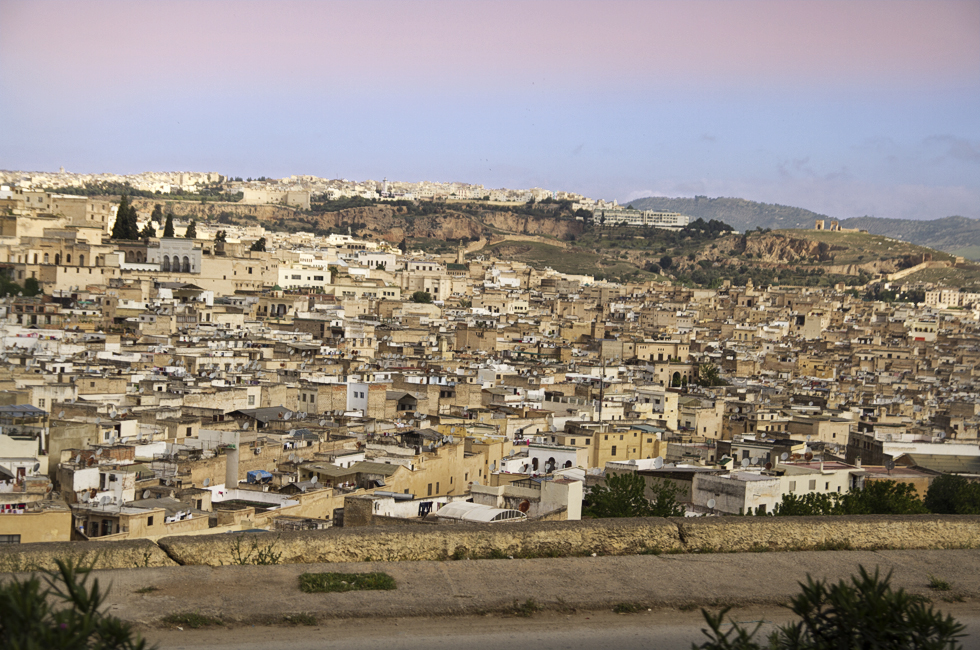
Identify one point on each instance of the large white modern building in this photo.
(623, 217)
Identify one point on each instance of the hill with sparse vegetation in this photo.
(953, 235)
(741, 214)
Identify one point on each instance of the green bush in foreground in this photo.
(325, 582)
(865, 614)
(62, 612)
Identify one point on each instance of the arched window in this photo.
(45, 258)
(187, 264)
(57, 259)
(67, 258)
(166, 264)
(139, 257)
(129, 257)
(35, 258)
(81, 260)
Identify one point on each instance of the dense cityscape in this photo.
(201, 377)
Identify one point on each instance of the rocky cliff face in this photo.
(388, 222)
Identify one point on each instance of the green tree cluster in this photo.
(876, 498)
(423, 297)
(191, 230)
(950, 494)
(708, 376)
(623, 495)
(220, 236)
(125, 226)
(258, 245)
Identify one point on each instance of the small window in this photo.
(430, 489)
(189, 431)
(813, 484)
(437, 488)
(9, 539)
(792, 486)
(614, 450)
(149, 520)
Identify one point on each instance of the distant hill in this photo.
(741, 214)
(955, 235)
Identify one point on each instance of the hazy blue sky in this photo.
(847, 108)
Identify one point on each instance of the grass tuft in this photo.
(939, 585)
(192, 620)
(627, 608)
(146, 590)
(313, 583)
(527, 609)
(299, 619)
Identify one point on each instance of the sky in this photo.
(841, 107)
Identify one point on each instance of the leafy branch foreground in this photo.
(61, 612)
(865, 614)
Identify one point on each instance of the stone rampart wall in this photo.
(531, 539)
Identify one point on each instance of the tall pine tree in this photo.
(168, 227)
(125, 226)
(191, 230)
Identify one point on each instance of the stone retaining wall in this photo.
(531, 539)
(129, 554)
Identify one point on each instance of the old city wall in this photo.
(535, 539)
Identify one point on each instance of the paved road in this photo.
(660, 629)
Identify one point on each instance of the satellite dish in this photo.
(147, 494)
(314, 479)
(711, 503)
(244, 425)
(84, 498)
(658, 462)
(61, 414)
(78, 458)
(808, 455)
(784, 456)
(98, 420)
(207, 482)
(745, 462)
(289, 414)
(323, 423)
(98, 452)
(768, 465)
(889, 464)
(37, 466)
(105, 500)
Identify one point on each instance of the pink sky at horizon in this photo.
(755, 42)
(843, 107)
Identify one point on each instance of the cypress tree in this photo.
(125, 226)
(168, 227)
(191, 230)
